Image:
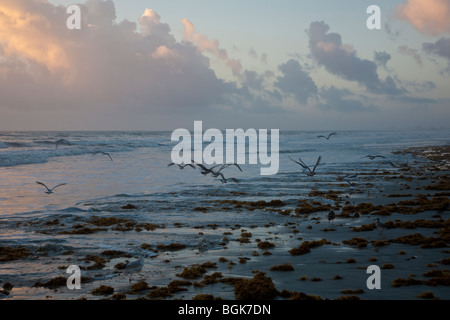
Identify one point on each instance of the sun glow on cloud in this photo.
(427, 16)
(27, 34)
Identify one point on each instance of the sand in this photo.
(296, 254)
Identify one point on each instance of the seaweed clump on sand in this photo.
(171, 247)
(306, 247)
(358, 242)
(436, 278)
(295, 295)
(11, 254)
(162, 292)
(416, 239)
(203, 296)
(282, 267)
(102, 291)
(98, 262)
(427, 295)
(305, 207)
(194, 272)
(139, 286)
(266, 245)
(260, 287)
(52, 283)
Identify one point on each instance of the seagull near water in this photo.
(328, 137)
(304, 166)
(104, 153)
(134, 266)
(181, 166)
(62, 141)
(225, 180)
(331, 216)
(49, 191)
(373, 157)
(380, 226)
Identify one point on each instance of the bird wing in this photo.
(301, 164)
(109, 156)
(234, 180)
(203, 167)
(42, 184)
(321, 136)
(317, 163)
(171, 164)
(61, 184)
(333, 133)
(235, 164)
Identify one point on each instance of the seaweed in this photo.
(260, 287)
(295, 295)
(103, 290)
(139, 286)
(53, 283)
(266, 245)
(282, 267)
(162, 292)
(12, 254)
(171, 247)
(350, 291)
(204, 297)
(193, 272)
(358, 242)
(306, 247)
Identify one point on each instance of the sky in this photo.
(161, 65)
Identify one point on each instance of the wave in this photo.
(34, 150)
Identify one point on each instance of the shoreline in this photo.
(223, 260)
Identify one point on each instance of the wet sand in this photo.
(296, 254)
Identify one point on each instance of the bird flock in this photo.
(217, 172)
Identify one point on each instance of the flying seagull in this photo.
(181, 166)
(206, 170)
(216, 174)
(321, 136)
(62, 141)
(101, 152)
(50, 190)
(389, 162)
(304, 166)
(225, 180)
(373, 157)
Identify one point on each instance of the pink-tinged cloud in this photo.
(427, 16)
(212, 46)
(26, 33)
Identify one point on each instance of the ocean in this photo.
(184, 204)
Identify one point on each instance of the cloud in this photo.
(381, 58)
(341, 59)
(212, 46)
(342, 100)
(440, 48)
(295, 81)
(414, 53)
(104, 66)
(430, 17)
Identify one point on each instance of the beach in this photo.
(266, 237)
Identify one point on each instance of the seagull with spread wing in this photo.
(104, 153)
(304, 166)
(328, 137)
(48, 189)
